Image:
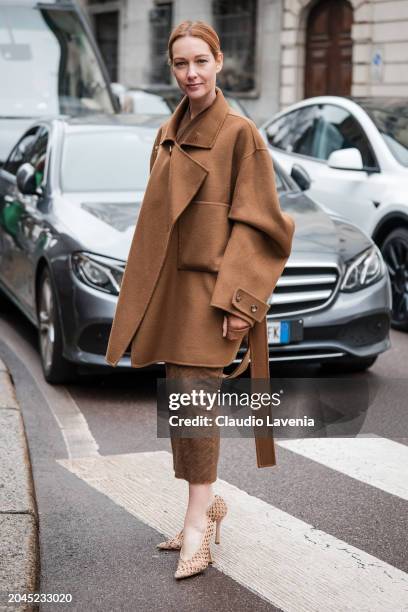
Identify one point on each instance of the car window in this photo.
(120, 159)
(305, 131)
(391, 120)
(281, 132)
(21, 151)
(37, 154)
(327, 128)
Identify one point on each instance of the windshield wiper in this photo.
(18, 117)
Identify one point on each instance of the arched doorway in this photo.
(328, 66)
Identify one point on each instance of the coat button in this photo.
(254, 308)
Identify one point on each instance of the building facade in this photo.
(276, 52)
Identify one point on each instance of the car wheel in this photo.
(349, 364)
(395, 253)
(56, 369)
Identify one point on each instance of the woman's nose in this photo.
(191, 71)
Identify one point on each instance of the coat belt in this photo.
(257, 354)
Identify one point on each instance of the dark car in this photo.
(70, 194)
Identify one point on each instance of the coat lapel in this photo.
(202, 131)
(186, 173)
(185, 179)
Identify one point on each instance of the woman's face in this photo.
(194, 66)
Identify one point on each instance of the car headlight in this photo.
(363, 271)
(97, 271)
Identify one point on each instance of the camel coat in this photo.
(210, 239)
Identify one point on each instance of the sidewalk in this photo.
(19, 551)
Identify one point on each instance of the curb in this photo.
(19, 542)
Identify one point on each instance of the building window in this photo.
(160, 18)
(105, 18)
(106, 26)
(235, 23)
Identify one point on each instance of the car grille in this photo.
(303, 288)
(362, 331)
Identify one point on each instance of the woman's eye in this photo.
(178, 64)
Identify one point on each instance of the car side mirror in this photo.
(346, 159)
(117, 102)
(25, 179)
(119, 92)
(302, 178)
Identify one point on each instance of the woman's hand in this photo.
(234, 328)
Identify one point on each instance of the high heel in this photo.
(201, 558)
(218, 531)
(217, 512)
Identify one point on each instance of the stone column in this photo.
(268, 58)
(134, 42)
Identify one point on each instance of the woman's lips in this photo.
(194, 85)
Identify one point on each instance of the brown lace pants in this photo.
(195, 459)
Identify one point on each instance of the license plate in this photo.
(284, 332)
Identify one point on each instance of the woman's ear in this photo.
(219, 61)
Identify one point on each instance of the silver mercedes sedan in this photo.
(70, 194)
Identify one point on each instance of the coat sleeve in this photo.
(259, 244)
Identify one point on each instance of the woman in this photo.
(209, 247)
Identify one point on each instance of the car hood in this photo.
(319, 233)
(99, 222)
(105, 223)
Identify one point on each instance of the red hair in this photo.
(194, 28)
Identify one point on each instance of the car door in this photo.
(11, 207)
(29, 232)
(317, 131)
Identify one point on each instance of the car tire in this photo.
(56, 369)
(395, 253)
(349, 364)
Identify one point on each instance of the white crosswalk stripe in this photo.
(373, 460)
(288, 562)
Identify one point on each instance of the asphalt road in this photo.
(323, 530)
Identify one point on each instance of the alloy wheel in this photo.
(46, 321)
(395, 253)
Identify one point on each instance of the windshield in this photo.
(47, 65)
(106, 159)
(393, 127)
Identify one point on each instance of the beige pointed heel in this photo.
(217, 512)
(201, 558)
